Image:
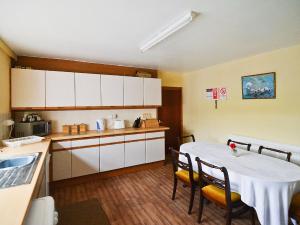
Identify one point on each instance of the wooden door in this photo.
(171, 115)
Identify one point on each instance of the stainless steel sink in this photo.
(17, 170)
(16, 161)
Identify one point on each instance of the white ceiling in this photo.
(111, 31)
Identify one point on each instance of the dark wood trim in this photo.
(80, 67)
(106, 144)
(155, 138)
(137, 140)
(104, 175)
(66, 108)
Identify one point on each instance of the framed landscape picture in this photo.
(259, 86)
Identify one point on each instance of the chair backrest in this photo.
(205, 178)
(182, 138)
(288, 154)
(239, 143)
(177, 163)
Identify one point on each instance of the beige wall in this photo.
(4, 91)
(170, 79)
(272, 119)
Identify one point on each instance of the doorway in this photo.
(170, 115)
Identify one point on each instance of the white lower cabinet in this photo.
(111, 157)
(85, 161)
(155, 150)
(62, 164)
(135, 153)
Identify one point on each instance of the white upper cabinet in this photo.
(87, 89)
(133, 91)
(152, 91)
(112, 90)
(27, 88)
(60, 89)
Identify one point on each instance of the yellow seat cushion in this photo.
(183, 175)
(295, 206)
(216, 194)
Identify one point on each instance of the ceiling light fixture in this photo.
(169, 30)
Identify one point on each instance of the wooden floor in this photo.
(143, 198)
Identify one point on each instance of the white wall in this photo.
(89, 117)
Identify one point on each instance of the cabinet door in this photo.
(27, 88)
(133, 91)
(135, 153)
(87, 89)
(112, 90)
(61, 163)
(85, 161)
(111, 157)
(155, 150)
(152, 91)
(60, 89)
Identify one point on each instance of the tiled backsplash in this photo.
(3, 129)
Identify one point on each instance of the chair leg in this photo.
(193, 189)
(228, 218)
(200, 208)
(253, 216)
(174, 188)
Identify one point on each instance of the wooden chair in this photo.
(218, 191)
(184, 172)
(295, 207)
(239, 143)
(288, 154)
(182, 138)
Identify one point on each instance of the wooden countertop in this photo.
(15, 201)
(91, 134)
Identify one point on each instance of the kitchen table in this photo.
(264, 183)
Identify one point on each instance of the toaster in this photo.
(119, 124)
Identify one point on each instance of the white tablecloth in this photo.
(265, 183)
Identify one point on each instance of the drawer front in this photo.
(61, 145)
(155, 135)
(133, 137)
(85, 142)
(107, 140)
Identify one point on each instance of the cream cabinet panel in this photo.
(135, 153)
(60, 89)
(85, 161)
(87, 89)
(111, 157)
(152, 91)
(155, 134)
(155, 150)
(61, 162)
(61, 145)
(27, 88)
(112, 90)
(133, 91)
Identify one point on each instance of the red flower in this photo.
(232, 146)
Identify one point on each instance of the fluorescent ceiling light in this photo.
(168, 30)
